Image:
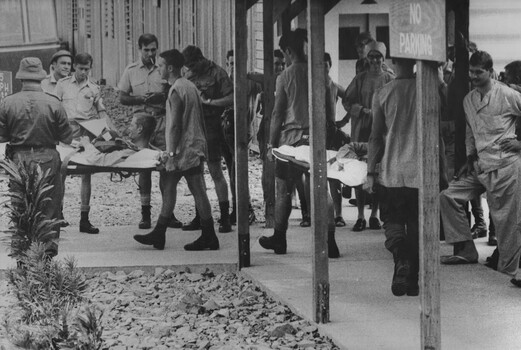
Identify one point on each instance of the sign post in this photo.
(6, 84)
(417, 31)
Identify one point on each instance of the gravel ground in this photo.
(169, 310)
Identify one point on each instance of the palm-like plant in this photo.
(28, 193)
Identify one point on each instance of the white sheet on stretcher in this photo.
(351, 172)
(144, 159)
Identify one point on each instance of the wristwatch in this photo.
(171, 154)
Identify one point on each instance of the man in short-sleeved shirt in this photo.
(81, 99)
(142, 87)
(216, 91)
(61, 64)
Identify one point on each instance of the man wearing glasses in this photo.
(493, 166)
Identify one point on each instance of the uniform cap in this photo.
(59, 54)
(31, 69)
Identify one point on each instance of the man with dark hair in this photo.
(216, 91)
(513, 76)
(81, 99)
(394, 145)
(493, 166)
(290, 126)
(184, 156)
(61, 64)
(142, 88)
(33, 122)
(278, 62)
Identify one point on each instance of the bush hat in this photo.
(31, 69)
(377, 46)
(59, 54)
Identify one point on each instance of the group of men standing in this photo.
(184, 94)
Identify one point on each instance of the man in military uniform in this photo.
(33, 122)
(216, 91)
(81, 99)
(142, 87)
(61, 64)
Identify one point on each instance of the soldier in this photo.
(61, 64)
(33, 122)
(81, 99)
(142, 87)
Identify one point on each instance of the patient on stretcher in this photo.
(135, 153)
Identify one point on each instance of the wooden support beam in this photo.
(241, 131)
(329, 4)
(296, 8)
(268, 168)
(317, 123)
(279, 7)
(250, 3)
(428, 111)
(460, 85)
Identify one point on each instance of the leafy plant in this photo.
(28, 189)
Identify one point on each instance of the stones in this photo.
(184, 310)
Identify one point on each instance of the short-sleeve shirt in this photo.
(192, 146)
(32, 117)
(81, 101)
(49, 83)
(138, 80)
(213, 83)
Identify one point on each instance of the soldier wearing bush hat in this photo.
(33, 133)
(61, 63)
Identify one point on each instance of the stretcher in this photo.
(350, 171)
(76, 163)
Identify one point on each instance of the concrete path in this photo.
(479, 307)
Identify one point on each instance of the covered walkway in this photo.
(479, 307)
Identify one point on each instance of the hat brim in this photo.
(39, 76)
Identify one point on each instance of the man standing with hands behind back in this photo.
(142, 87)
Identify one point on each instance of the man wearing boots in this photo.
(33, 122)
(493, 166)
(216, 92)
(184, 156)
(142, 88)
(394, 144)
(81, 99)
(290, 126)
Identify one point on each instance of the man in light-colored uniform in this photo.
(61, 64)
(493, 166)
(81, 99)
(142, 87)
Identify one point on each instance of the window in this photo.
(11, 22)
(346, 43)
(41, 27)
(27, 22)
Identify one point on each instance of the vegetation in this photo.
(51, 312)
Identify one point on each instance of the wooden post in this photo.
(460, 86)
(428, 111)
(268, 168)
(241, 131)
(317, 123)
